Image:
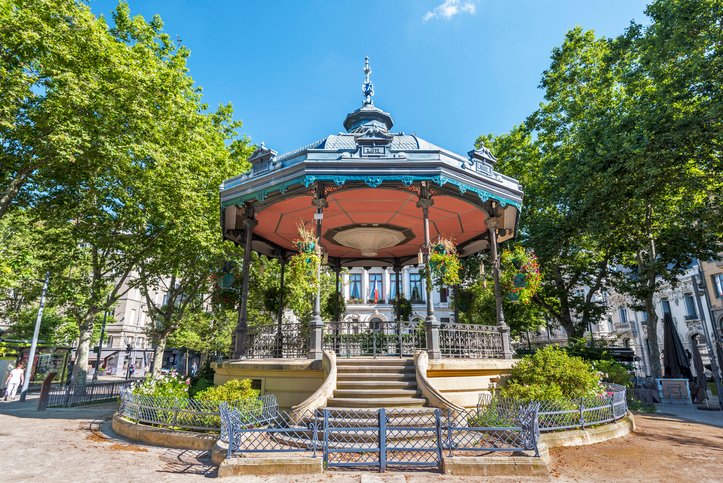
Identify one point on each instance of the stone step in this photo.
(374, 393)
(376, 384)
(374, 369)
(385, 402)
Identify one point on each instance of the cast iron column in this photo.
(492, 224)
(241, 343)
(316, 324)
(431, 324)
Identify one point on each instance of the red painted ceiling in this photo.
(449, 216)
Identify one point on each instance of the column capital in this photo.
(492, 223)
(320, 203)
(425, 203)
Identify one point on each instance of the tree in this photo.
(147, 146)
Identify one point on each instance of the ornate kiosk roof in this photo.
(370, 179)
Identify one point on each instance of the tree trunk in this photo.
(13, 189)
(158, 349)
(80, 369)
(652, 325)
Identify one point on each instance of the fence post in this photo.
(382, 440)
(326, 438)
(449, 431)
(612, 406)
(582, 413)
(315, 434)
(438, 427)
(175, 413)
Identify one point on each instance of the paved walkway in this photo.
(77, 444)
(690, 412)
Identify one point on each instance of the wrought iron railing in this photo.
(569, 413)
(191, 414)
(61, 395)
(472, 341)
(373, 338)
(384, 437)
(287, 341)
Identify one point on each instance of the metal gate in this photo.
(382, 438)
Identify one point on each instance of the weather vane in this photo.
(367, 87)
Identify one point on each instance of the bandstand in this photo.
(376, 198)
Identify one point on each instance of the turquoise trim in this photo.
(373, 182)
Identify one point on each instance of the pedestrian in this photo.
(13, 381)
(194, 368)
(132, 370)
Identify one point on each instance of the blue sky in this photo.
(447, 70)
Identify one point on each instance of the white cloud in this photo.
(449, 8)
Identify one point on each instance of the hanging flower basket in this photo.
(520, 274)
(303, 266)
(444, 262)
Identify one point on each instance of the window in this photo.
(392, 287)
(375, 287)
(643, 316)
(690, 312)
(355, 286)
(623, 315)
(444, 320)
(415, 288)
(134, 317)
(718, 285)
(443, 295)
(666, 306)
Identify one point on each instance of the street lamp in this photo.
(129, 350)
(100, 342)
(34, 343)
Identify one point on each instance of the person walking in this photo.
(14, 381)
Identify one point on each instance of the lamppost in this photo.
(34, 343)
(129, 350)
(100, 342)
(711, 350)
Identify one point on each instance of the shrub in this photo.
(550, 375)
(230, 392)
(614, 372)
(165, 386)
(201, 381)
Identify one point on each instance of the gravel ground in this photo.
(62, 445)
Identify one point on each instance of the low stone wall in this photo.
(292, 381)
(166, 438)
(597, 434)
(461, 380)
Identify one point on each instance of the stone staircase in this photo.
(376, 383)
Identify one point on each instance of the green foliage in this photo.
(550, 375)
(444, 263)
(403, 308)
(331, 305)
(614, 372)
(230, 392)
(519, 274)
(591, 351)
(163, 386)
(201, 381)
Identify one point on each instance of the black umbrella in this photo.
(701, 382)
(675, 359)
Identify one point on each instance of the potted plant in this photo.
(520, 274)
(444, 262)
(304, 266)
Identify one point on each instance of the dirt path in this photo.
(661, 449)
(77, 445)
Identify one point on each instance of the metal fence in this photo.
(288, 341)
(381, 438)
(374, 338)
(471, 341)
(568, 413)
(61, 395)
(191, 414)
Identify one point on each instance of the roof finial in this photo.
(367, 87)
